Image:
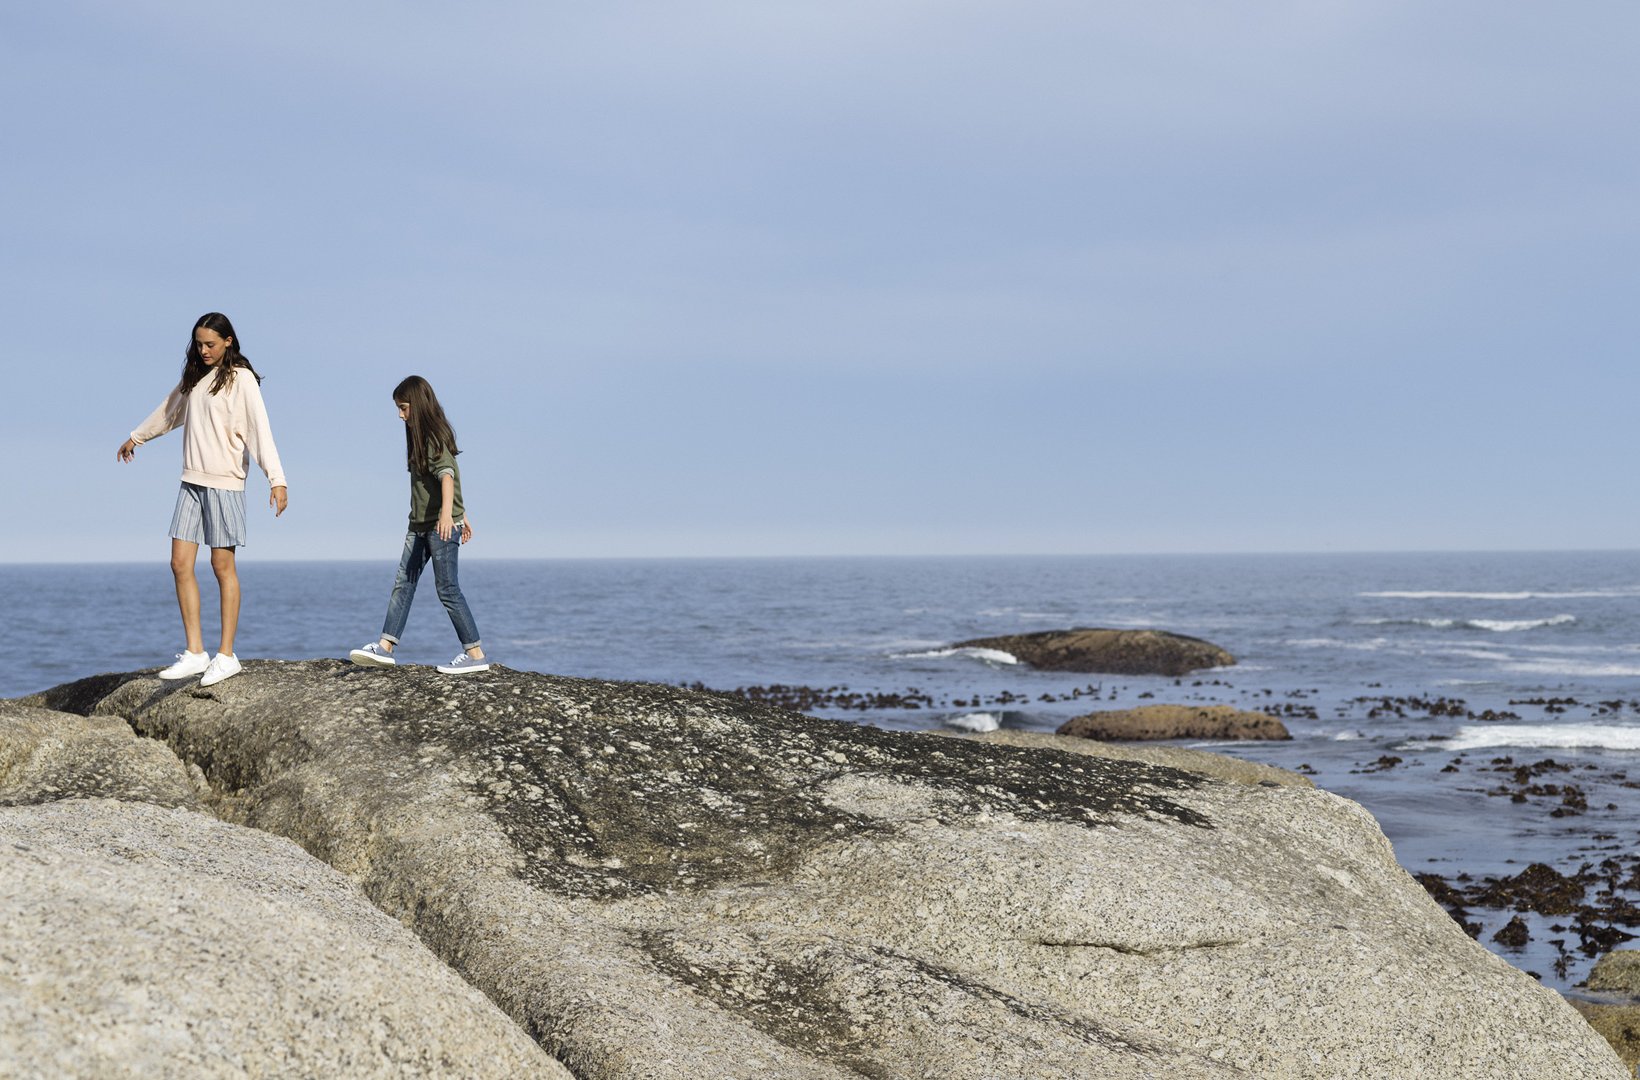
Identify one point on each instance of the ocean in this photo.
(1484, 707)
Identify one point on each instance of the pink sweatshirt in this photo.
(220, 432)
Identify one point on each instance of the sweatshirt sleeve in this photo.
(167, 417)
(258, 433)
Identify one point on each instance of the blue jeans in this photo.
(418, 548)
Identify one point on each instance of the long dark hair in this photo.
(426, 431)
(195, 369)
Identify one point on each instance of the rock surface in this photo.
(1175, 722)
(137, 940)
(663, 883)
(45, 756)
(1110, 652)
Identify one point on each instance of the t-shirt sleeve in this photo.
(441, 463)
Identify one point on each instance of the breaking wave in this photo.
(1497, 626)
(1562, 736)
(989, 656)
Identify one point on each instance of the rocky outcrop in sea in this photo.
(649, 881)
(1175, 722)
(1111, 652)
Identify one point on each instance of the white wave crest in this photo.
(990, 656)
(1334, 643)
(1524, 594)
(1567, 668)
(1565, 736)
(1509, 626)
(978, 721)
(1498, 626)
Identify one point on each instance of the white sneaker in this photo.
(372, 655)
(465, 665)
(222, 667)
(188, 664)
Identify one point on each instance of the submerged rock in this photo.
(1617, 972)
(1175, 722)
(1112, 652)
(656, 882)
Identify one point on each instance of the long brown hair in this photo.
(426, 431)
(194, 368)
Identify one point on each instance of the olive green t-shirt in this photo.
(427, 493)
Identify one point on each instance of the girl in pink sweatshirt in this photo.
(218, 405)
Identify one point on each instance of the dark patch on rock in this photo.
(791, 1002)
(1114, 652)
(617, 788)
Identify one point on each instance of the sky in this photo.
(836, 278)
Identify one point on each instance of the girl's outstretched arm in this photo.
(167, 417)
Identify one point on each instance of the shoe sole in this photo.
(364, 659)
(178, 678)
(462, 670)
(223, 679)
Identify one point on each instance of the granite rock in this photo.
(138, 940)
(655, 882)
(46, 756)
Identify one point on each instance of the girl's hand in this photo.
(276, 499)
(127, 451)
(466, 530)
(445, 525)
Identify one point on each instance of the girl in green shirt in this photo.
(438, 528)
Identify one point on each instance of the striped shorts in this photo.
(214, 517)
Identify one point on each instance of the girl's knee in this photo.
(222, 561)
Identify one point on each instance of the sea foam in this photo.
(978, 722)
(1564, 736)
(990, 656)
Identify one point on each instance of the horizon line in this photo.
(883, 555)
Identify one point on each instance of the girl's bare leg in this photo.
(183, 553)
(227, 580)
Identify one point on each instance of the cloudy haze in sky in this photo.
(837, 278)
